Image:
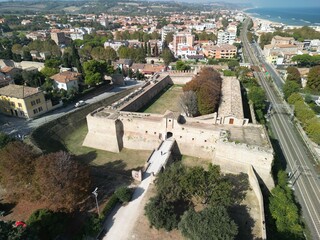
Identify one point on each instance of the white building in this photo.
(186, 51)
(165, 30)
(67, 80)
(228, 36)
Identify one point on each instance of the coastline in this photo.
(259, 19)
(266, 19)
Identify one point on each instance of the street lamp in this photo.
(95, 193)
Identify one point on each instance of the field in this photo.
(168, 99)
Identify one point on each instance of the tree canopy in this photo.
(207, 86)
(313, 82)
(212, 223)
(95, 70)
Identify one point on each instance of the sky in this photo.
(280, 3)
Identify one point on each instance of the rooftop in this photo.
(231, 101)
(18, 91)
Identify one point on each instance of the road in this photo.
(18, 126)
(298, 157)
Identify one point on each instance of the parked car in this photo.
(80, 104)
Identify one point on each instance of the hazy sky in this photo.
(281, 3)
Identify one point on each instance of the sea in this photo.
(288, 16)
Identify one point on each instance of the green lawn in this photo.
(130, 158)
(190, 161)
(168, 100)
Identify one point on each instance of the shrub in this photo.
(109, 206)
(92, 225)
(124, 194)
(46, 224)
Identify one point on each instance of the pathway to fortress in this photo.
(120, 223)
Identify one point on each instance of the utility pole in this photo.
(95, 193)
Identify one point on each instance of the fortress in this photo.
(226, 137)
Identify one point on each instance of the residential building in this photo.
(186, 51)
(220, 51)
(67, 80)
(22, 101)
(228, 36)
(59, 38)
(165, 30)
(181, 40)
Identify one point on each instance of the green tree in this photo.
(313, 81)
(95, 70)
(257, 96)
(46, 224)
(167, 56)
(290, 87)
(212, 223)
(285, 212)
(265, 38)
(180, 65)
(48, 72)
(161, 214)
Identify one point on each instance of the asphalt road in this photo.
(22, 127)
(299, 160)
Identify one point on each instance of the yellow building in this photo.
(23, 101)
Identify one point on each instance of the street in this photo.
(22, 127)
(305, 180)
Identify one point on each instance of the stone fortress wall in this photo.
(228, 145)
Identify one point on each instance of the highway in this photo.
(299, 160)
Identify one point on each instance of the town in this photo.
(143, 120)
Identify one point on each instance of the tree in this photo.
(257, 96)
(207, 86)
(313, 81)
(167, 56)
(46, 224)
(95, 70)
(48, 72)
(212, 223)
(33, 79)
(161, 214)
(180, 65)
(169, 183)
(233, 64)
(110, 54)
(285, 212)
(26, 55)
(17, 168)
(61, 181)
(4, 139)
(169, 37)
(293, 74)
(290, 87)
(189, 103)
(265, 38)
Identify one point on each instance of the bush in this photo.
(124, 194)
(92, 226)
(46, 224)
(109, 206)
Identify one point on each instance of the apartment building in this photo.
(220, 51)
(22, 101)
(181, 40)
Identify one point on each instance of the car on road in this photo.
(80, 104)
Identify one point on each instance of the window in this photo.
(12, 104)
(192, 139)
(205, 140)
(35, 111)
(20, 105)
(40, 109)
(33, 103)
(38, 100)
(155, 132)
(146, 131)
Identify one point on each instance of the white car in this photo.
(80, 104)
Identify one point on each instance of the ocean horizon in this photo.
(289, 16)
